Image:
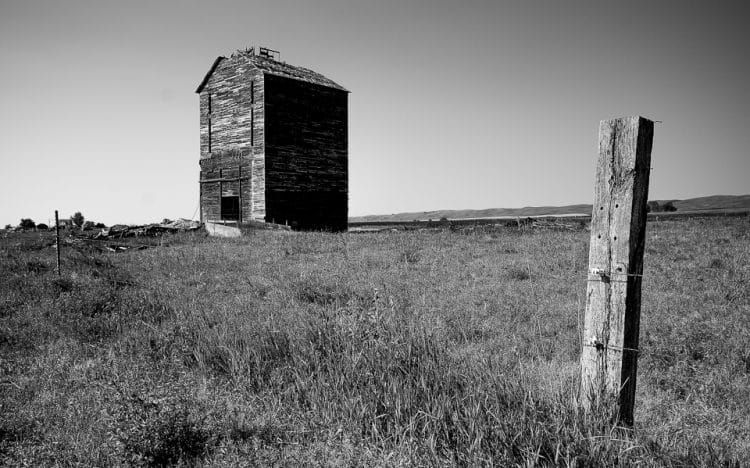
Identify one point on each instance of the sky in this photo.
(453, 105)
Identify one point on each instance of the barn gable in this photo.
(273, 67)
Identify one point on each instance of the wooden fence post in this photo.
(609, 357)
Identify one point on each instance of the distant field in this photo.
(413, 348)
(715, 203)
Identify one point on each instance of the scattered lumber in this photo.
(120, 230)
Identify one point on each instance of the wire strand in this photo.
(600, 346)
(606, 276)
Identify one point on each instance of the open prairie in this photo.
(435, 348)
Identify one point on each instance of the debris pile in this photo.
(101, 245)
(120, 230)
(103, 240)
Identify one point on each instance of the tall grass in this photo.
(432, 348)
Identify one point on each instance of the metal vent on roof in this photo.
(269, 53)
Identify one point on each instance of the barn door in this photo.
(230, 208)
(230, 195)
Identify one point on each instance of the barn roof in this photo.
(273, 67)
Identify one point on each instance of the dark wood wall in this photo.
(306, 154)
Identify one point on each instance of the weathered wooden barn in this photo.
(273, 143)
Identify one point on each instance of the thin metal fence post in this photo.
(57, 242)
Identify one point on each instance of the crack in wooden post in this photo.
(613, 300)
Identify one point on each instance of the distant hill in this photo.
(711, 203)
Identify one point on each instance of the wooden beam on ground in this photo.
(609, 357)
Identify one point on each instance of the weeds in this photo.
(434, 348)
(164, 432)
(518, 274)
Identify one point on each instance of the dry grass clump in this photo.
(426, 348)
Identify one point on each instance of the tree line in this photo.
(77, 220)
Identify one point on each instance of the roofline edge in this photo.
(208, 75)
(218, 60)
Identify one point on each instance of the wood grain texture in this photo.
(611, 325)
(231, 135)
(232, 173)
(306, 154)
(284, 129)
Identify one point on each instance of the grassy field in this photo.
(718, 203)
(430, 348)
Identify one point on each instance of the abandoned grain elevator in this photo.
(273, 144)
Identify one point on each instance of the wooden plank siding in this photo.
(235, 92)
(280, 143)
(231, 107)
(224, 170)
(306, 154)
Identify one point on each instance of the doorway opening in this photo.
(230, 208)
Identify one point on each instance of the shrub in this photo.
(42, 226)
(77, 219)
(27, 223)
(164, 431)
(409, 255)
(518, 274)
(656, 207)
